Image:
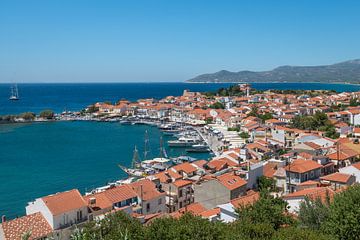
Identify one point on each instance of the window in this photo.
(180, 193)
(78, 215)
(160, 201)
(147, 207)
(181, 205)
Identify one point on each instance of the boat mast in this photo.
(146, 145)
(16, 91)
(163, 153)
(135, 160)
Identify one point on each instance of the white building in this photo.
(60, 210)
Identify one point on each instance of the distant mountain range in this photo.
(344, 72)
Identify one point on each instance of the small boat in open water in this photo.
(14, 96)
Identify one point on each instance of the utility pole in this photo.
(141, 195)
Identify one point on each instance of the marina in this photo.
(88, 158)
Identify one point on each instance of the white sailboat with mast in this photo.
(147, 167)
(14, 96)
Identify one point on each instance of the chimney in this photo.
(3, 218)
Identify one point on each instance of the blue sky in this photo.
(153, 40)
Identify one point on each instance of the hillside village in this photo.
(306, 143)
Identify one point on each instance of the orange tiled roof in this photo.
(101, 201)
(342, 155)
(309, 183)
(194, 208)
(356, 165)
(146, 189)
(337, 177)
(185, 167)
(182, 183)
(231, 181)
(250, 198)
(217, 164)
(120, 193)
(200, 163)
(36, 223)
(313, 193)
(210, 213)
(302, 166)
(269, 169)
(64, 202)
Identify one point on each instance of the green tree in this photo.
(266, 184)
(267, 210)
(313, 213)
(344, 215)
(47, 114)
(244, 135)
(354, 102)
(294, 233)
(28, 116)
(187, 226)
(217, 105)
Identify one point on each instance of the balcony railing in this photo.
(71, 223)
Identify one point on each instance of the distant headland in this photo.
(344, 72)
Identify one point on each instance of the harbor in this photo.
(79, 163)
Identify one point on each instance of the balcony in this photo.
(71, 223)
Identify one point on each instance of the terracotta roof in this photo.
(231, 181)
(200, 163)
(269, 169)
(146, 189)
(182, 183)
(120, 193)
(194, 208)
(302, 166)
(185, 167)
(343, 154)
(312, 193)
(64, 202)
(305, 155)
(337, 177)
(356, 130)
(217, 164)
(101, 201)
(250, 198)
(356, 165)
(312, 145)
(36, 223)
(165, 176)
(308, 183)
(210, 213)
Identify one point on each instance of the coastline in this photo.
(337, 83)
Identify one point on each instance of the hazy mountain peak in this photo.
(346, 72)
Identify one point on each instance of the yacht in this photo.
(183, 142)
(200, 148)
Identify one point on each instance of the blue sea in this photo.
(44, 158)
(76, 96)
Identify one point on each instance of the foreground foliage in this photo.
(266, 219)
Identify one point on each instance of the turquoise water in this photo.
(44, 158)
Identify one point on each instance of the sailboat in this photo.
(135, 169)
(147, 167)
(14, 93)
